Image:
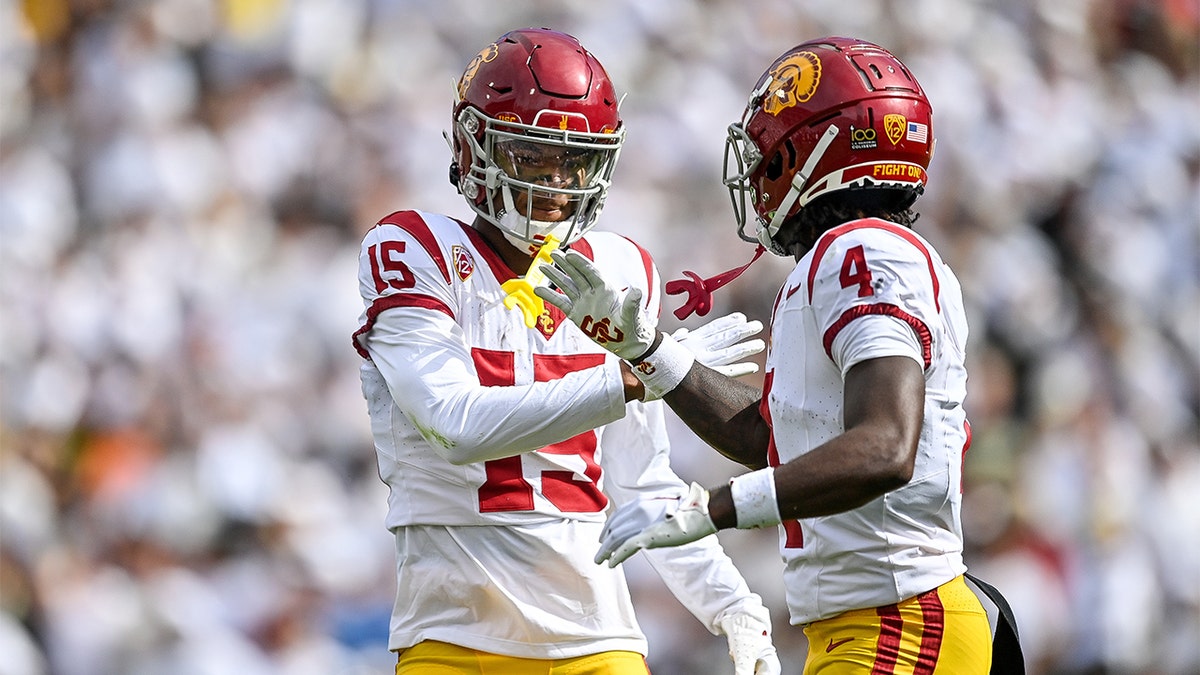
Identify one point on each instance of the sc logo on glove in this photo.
(601, 332)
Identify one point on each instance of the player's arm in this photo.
(433, 379)
(723, 412)
(638, 477)
(884, 403)
(884, 412)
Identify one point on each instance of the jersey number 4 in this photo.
(506, 488)
(855, 272)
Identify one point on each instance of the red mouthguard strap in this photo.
(700, 291)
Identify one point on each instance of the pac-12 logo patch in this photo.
(895, 125)
(464, 264)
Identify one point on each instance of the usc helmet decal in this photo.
(794, 80)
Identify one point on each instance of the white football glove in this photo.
(686, 522)
(614, 318)
(721, 344)
(750, 646)
(633, 517)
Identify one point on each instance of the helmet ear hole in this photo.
(791, 154)
(774, 168)
(778, 164)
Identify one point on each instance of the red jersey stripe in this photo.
(412, 223)
(585, 248)
(923, 333)
(393, 301)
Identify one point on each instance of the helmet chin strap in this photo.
(798, 182)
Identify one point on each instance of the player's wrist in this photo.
(633, 388)
(755, 501)
(654, 345)
(663, 366)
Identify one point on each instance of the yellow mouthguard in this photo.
(520, 291)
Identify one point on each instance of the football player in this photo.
(857, 436)
(502, 430)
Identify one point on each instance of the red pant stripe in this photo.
(887, 648)
(934, 618)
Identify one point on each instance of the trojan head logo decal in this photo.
(793, 80)
(488, 54)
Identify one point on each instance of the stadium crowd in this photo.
(187, 482)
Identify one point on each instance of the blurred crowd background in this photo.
(187, 480)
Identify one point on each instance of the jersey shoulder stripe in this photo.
(585, 247)
(415, 225)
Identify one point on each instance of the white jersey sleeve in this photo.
(433, 381)
(874, 296)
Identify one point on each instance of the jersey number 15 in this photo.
(506, 488)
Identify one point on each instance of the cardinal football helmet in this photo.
(535, 119)
(828, 115)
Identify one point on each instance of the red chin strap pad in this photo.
(699, 291)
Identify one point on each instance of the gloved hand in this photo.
(633, 517)
(719, 344)
(750, 646)
(614, 318)
(688, 521)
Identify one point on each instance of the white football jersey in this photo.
(869, 289)
(502, 445)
